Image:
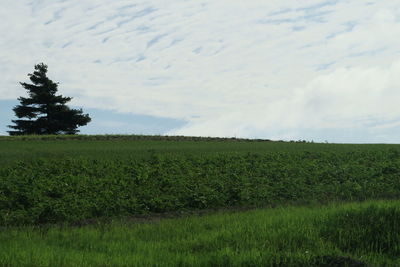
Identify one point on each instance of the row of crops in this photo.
(73, 189)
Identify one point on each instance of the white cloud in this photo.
(271, 69)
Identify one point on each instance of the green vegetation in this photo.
(49, 185)
(27, 147)
(335, 235)
(44, 112)
(75, 180)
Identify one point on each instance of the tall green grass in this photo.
(358, 234)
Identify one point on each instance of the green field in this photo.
(335, 235)
(17, 148)
(51, 184)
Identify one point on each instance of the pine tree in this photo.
(45, 112)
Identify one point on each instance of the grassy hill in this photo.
(15, 148)
(73, 180)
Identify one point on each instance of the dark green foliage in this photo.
(45, 112)
(53, 190)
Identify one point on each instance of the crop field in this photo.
(75, 200)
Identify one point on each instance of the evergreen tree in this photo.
(45, 112)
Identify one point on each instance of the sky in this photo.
(327, 71)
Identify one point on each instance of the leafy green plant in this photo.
(51, 189)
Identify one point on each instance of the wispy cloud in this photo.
(273, 69)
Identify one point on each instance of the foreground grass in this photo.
(358, 234)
